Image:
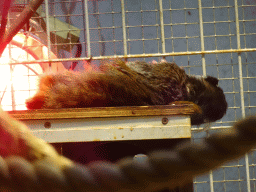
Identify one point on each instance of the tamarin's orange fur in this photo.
(131, 84)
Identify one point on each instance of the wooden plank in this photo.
(111, 129)
(97, 112)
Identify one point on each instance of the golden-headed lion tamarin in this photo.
(139, 83)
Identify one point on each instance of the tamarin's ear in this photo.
(212, 80)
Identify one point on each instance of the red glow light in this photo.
(19, 81)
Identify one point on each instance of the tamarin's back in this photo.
(131, 84)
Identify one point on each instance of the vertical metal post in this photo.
(124, 28)
(162, 25)
(202, 36)
(211, 181)
(203, 65)
(242, 90)
(48, 28)
(11, 78)
(86, 24)
(11, 71)
(239, 60)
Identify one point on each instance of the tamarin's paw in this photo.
(196, 108)
(155, 62)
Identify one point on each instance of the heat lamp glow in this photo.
(18, 82)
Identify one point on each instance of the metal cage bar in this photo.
(242, 90)
(162, 25)
(86, 24)
(48, 28)
(124, 28)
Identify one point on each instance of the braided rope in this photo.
(160, 170)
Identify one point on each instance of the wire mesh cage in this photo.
(210, 37)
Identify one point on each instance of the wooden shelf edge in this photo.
(75, 113)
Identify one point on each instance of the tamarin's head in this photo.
(210, 97)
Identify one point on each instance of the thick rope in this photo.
(160, 170)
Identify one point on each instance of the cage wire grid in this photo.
(210, 37)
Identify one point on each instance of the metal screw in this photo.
(165, 121)
(47, 125)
